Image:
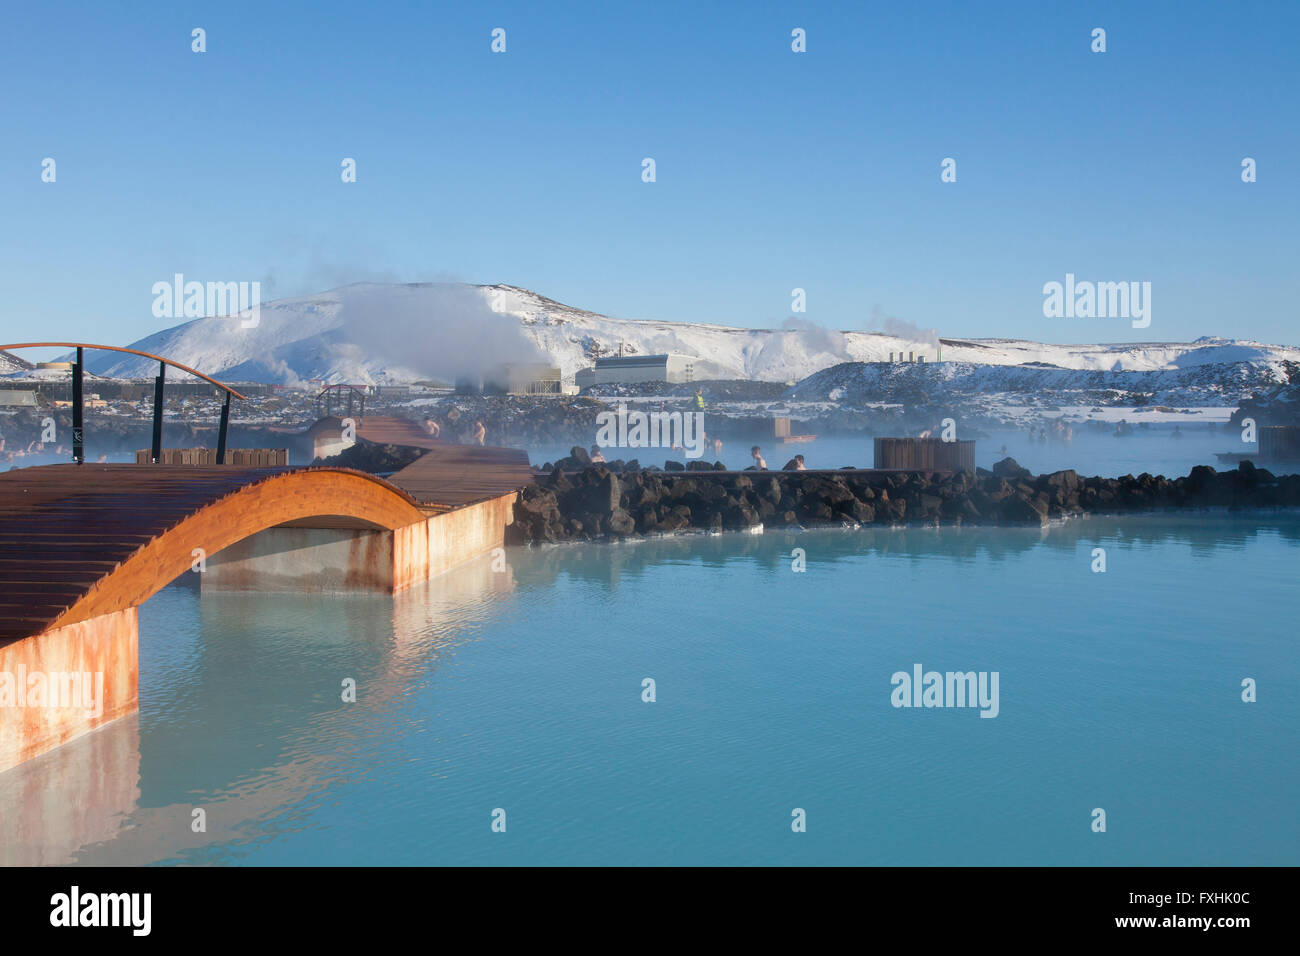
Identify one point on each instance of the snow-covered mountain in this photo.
(385, 334)
(12, 363)
(1202, 384)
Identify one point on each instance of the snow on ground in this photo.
(1183, 385)
(1214, 415)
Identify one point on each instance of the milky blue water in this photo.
(521, 690)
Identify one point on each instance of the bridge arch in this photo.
(78, 410)
(117, 348)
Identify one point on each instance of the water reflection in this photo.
(1202, 533)
(238, 720)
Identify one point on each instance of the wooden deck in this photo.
(452, 476)
(390, 430)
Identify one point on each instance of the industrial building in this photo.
(17, 397)
(513, 378)
(629, 369)
(523, 378)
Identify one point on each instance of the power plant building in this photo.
(523, 378)
(630, 369)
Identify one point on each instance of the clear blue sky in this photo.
(775, 170)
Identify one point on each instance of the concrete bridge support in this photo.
(347, 559)
(67, 681)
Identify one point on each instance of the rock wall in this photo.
(597, 502)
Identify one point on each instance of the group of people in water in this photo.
(477, 435)
(597, 456)
(1061, 431)
(1058, 431)
(34, 449)
(760, 463)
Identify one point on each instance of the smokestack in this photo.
(909, 357)
(891, 357)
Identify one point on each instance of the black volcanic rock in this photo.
(1010, 468)
(595, 502)
(372, 457)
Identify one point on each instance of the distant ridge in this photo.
(12, 363)
(313, 337)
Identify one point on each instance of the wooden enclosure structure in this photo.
(239, 457)
(1279, 443)
(924, 454)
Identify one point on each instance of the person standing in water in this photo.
(480, 433)
(757, 454)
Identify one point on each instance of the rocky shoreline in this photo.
(599, 502)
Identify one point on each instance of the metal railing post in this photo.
(158, 384)
(221, 432)
(78, 413)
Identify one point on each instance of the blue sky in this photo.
(775, 170)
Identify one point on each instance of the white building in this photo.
(629, 369)
(14, 396)
(524, 378)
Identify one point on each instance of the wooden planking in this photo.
(453, 476)
(100, 538)
(390, 430)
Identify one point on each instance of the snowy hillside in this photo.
(12, 363)
(380, 334)
(1199, 384)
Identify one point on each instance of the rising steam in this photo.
(442, 331)
(901, 328)
(817, 339)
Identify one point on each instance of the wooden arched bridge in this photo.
(83, 546)
(78, 541)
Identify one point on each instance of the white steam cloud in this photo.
(440, 330)
(814, 338)
(901, 328)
